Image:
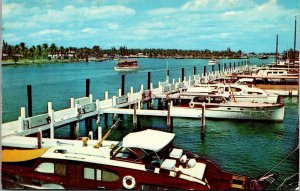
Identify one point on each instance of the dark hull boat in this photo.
(143, 160)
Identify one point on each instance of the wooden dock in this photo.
(129, 104)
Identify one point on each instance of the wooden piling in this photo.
(234, 65)
(230, 66)
(39, 138)
(195, 72)
(87, 87)
(134, 117)
(123, 85)
(219, 65)
(182, 74)
(212, 68)
(149, 80)
(169, 118)
(204, 71)
(224, 66)
(29, 100)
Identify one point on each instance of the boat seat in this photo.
(176, 153)
(168, 164)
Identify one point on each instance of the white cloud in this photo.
(75, 14)
(20, 25)
(113, 26)
(217, 5)
(10, 9)
(48, 32)
(162, 11)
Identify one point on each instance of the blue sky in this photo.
(247, 25)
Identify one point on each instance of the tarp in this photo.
(148, 139)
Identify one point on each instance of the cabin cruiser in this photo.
(224, 106)
(213, 61)
(143, 160)
(242, 91)
(126, 65)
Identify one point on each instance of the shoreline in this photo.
(24, 62)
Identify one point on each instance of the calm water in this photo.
(247, 147)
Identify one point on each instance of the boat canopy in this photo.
(148, 139)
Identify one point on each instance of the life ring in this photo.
(129, 182)
(192, 104)
(202, 81)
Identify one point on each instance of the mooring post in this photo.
(149, 80)
(87, 87)
(123, 85)
(168, 118)
(168, 75)
(182, 74)
(212, 68)
(99, 132)
(219, 67)
(106, 95)
(91, 135)
(39, 138)
(72, 103)
(234, 65)
(134, 117)
(21, 119)
(224, 68)
(195, 70)
(51, 115)
(29, 100)
(203, 122)
(204, 71)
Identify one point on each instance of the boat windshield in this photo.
(133, 154)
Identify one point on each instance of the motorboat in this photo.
(213, 61)
(225, 106)
(126, 65)
(144, 160)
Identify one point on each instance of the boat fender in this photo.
(128, 182)
(191, 163)
(192, 104)
(183, 159)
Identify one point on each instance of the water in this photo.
(244, 147)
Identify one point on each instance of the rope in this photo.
(288, 178)
(281, 161)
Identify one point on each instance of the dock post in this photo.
(72, 103)
(106, 95)
(169, 118)
(99, 132)
(182, 74)
(195, 72)
(168, 75)
(123, 85)
(149, 80)
(91, 135)
(21, 119)
(219, 65)
(224, 68)
(119, 92)
(29, 100)
(134, 117)
(87, 87)
(230, 66)
(203, 122)
(88, 121)
(234, 65)
(204, 71)
(51, 114)
(39, 138)
(212, 68)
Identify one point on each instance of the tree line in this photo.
(45, 51)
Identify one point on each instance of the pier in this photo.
(133, 104)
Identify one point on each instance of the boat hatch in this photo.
(237, 182)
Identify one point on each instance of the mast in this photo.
(294, 55)
(276, 49)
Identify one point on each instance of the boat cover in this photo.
(148, 139)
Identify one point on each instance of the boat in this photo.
(144, 160)
(263, 57)
(241, 93)
(213, 61)
(126, 65)
(225, 106)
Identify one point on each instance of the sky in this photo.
(247, 25)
